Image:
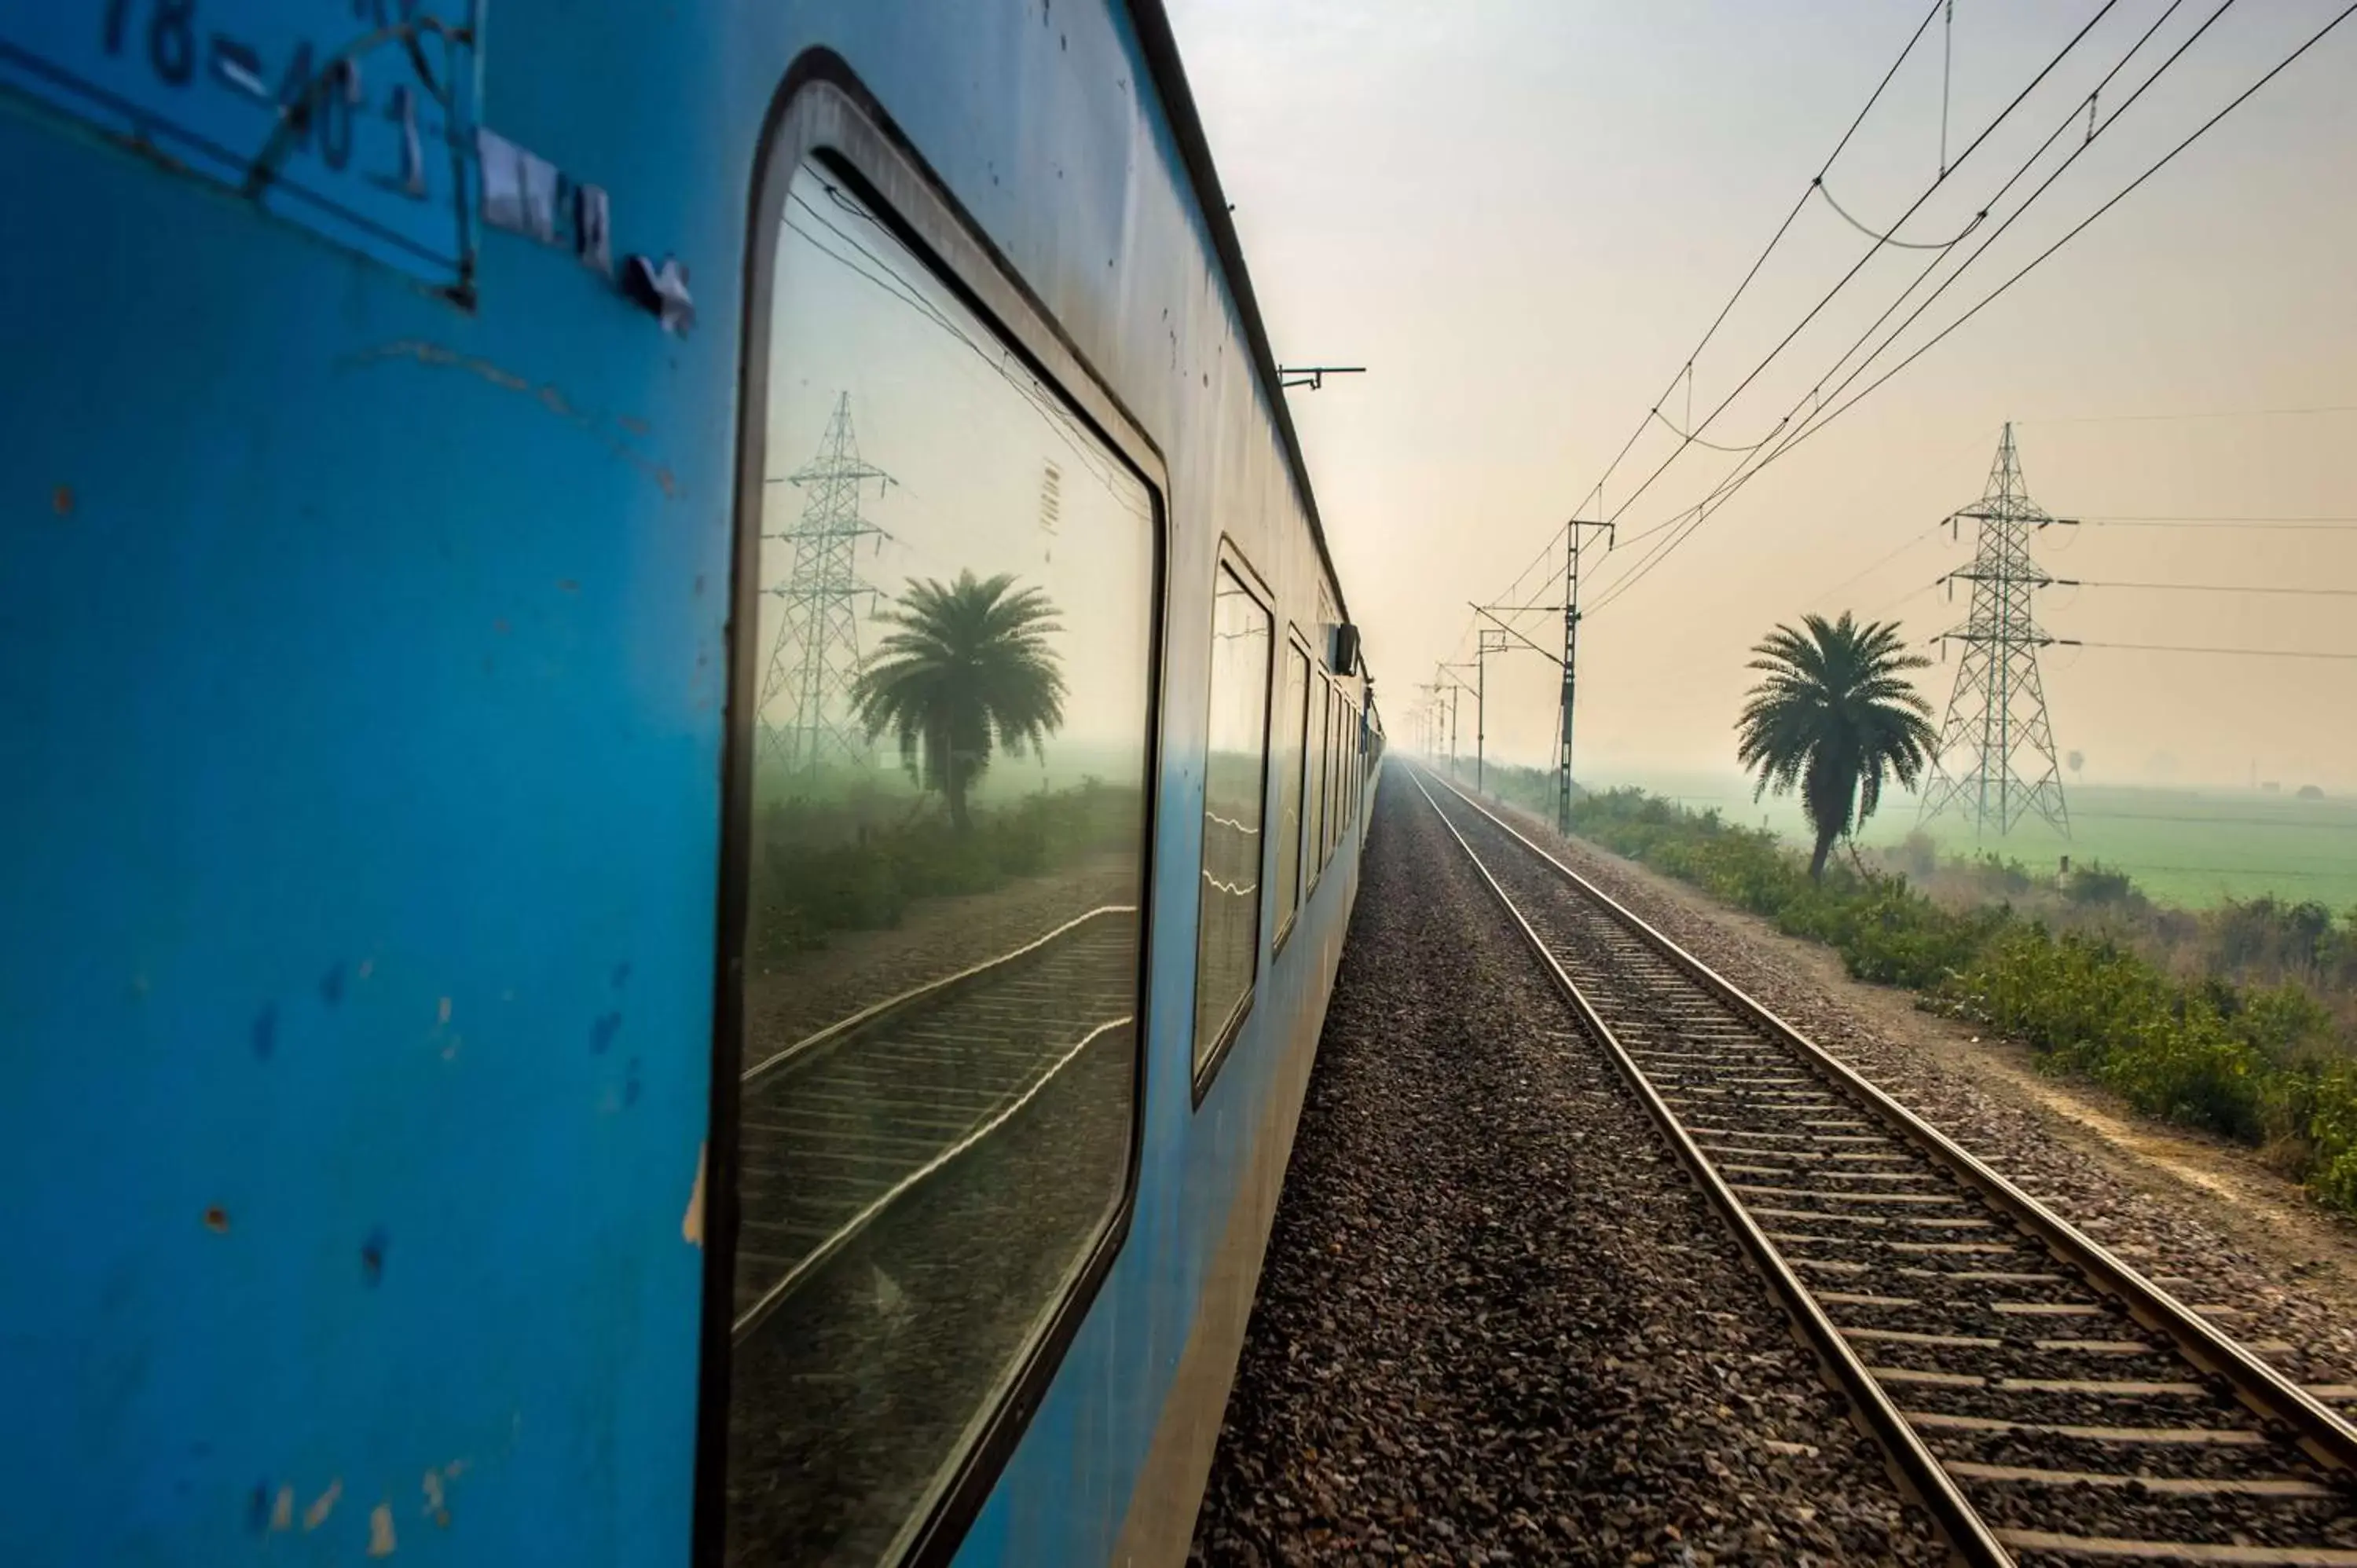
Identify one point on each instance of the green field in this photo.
(2188, 847)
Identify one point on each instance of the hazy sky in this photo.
(1520, 215)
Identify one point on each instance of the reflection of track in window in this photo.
(933, 1070)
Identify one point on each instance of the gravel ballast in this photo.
(1495, 1324)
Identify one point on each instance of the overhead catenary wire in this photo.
(1714, 445)
(1773, 240)
(1891, 238)
(1813, 401)
(1694, 517)
(1817, 398)
(1816, 422)
(1872, 251)
(1686, 369)
(2083, 224)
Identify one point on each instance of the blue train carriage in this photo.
(682, 785)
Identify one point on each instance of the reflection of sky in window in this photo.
(968, 435)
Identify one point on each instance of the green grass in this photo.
(2188, 847)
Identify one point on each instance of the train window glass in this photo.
(1321, 731)
(1349, 767)
(1353, 766)
(1334, 707)
(1289, 757)
(953, 678)
(1358, 761)
(1351, 771)
(1235, 769)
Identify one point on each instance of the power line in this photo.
(1737, 477)
(2184, 648)
(1880, 562)
(2256, 524)
(1891, 238)
(2213, 588)
(1781, 229)
(1684, 436)
(2180, 418)
(1686, 369)
(1871, 252)
(1816, 422)
(2082, 224)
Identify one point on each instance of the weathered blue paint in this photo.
(378, 157)
(362, 681)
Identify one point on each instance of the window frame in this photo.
(1205, 1067)
(1296, 647)
(821, 111)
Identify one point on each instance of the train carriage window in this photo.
(1350, 768)
(1291, 750)
(1335, 811)
(951, 683)
(1358, 761)
(1235, 773)
(1353, 741)
(1321, 731)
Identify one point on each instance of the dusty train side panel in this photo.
(364, 689)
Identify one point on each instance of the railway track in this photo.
(2042, 1399)
(844, 1123)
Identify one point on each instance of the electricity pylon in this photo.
(816, 656)
(1997, 716)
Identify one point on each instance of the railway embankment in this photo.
(2207, 1218)
(1496, 1322)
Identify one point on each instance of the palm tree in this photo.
(968, 668)
(2078, 761)
(1836, 715)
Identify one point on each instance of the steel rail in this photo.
(850, 1230)
(1916, 1467)
(2322, 1434)
(868, 1017)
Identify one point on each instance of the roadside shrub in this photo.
(2097, 884)
(2332, 1136)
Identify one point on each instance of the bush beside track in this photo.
(2084, 970)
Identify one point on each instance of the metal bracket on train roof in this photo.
(1313, 376)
